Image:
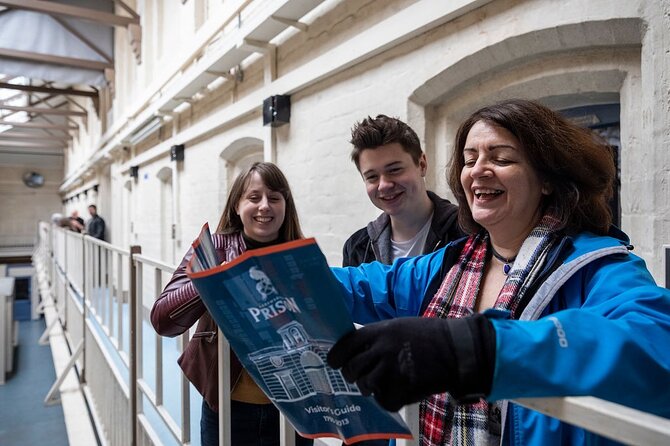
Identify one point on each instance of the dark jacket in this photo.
(179, 307)
(96, 227)
(374, 241)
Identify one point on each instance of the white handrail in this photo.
(620, 423)
(608, 419)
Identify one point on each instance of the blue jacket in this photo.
(594, 289)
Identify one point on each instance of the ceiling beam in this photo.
(65, 91)
(84, 39)
(48, 120)
(75, 103)
(11, 98)
(33, 145)
(126, 8)
(18, 136)
(42, 110)
(38, 125)
(31, 102)
(57, 60)
(20, 152)
(91, 15)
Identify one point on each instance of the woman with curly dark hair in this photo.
(542, 299)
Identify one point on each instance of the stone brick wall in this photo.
(565, 54)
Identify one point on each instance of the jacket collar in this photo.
(441, 230)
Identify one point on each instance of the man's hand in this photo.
(404, 360)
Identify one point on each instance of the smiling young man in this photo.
(388, 155)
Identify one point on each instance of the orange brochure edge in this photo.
(250, 253)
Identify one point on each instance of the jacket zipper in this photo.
(556, 259)
(187, 306)
(210, 335)
(368, 248)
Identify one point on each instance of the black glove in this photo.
(402, 361)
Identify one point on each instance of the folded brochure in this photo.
(281, 310)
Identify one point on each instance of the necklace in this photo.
(507, 261)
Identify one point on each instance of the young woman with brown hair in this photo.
(259, 212)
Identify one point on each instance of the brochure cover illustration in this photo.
(281, 310)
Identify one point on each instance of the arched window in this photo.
(235, 158)
(597, 87)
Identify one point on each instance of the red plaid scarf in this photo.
(443, 422)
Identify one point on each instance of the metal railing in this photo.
(179, 429)
(103, 295)
(7, 329)
(88, 277)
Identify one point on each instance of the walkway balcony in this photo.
(110, 364)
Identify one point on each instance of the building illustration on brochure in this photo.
(281, 311)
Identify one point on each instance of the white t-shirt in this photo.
(414, 246)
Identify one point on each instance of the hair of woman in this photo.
(574, 163)
(274, 179)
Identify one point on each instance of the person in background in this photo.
(543, 299)
(388, 155)
(62, 221)
(76, 222)
(95, 227)
(259, 212)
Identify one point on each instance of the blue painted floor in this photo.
(24, 419)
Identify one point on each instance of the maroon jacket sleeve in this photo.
(179, 305)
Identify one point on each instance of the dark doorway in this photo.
(22, 292)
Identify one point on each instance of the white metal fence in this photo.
(103, 294)
(7, 326)
(178, 428)
(139, 396)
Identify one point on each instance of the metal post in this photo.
(159, 346)
(224, 388)
(666, 256)
(49, 399)
(44, 339)
(4, 312)
(185, 396)
(82, 374)
(118, 294)
(109, 265)
(411, 416)
(134, 249)
(66, 283)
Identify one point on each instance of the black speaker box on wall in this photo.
(177, 152)
(277, 110)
